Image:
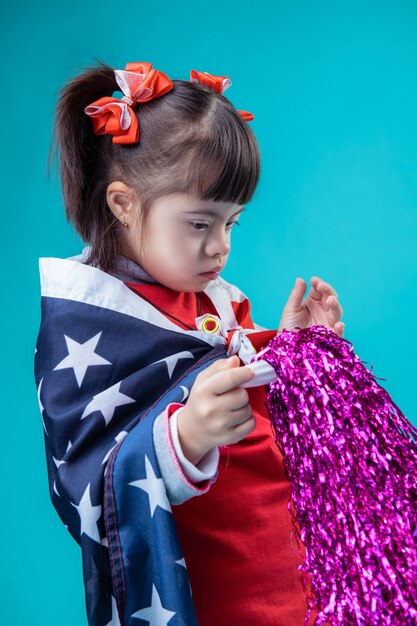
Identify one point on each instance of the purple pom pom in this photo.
(351, 459)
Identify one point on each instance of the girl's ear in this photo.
(121, 200)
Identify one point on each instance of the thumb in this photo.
(297, 294)
(218, 364)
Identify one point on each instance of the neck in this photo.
(129, 271)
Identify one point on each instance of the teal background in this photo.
(332, 86)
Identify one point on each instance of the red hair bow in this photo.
(218, 84)
(114, 116)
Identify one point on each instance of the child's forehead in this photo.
(185, 204)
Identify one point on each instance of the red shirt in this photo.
(238, 541)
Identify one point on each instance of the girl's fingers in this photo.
(334, 305)
(339, 329)
(325, 292)
(333, 311)
(314, 291)
(229, 378)
(244, 428)
(321, 288)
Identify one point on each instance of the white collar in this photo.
(73, 279)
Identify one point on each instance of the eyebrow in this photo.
(208, 212)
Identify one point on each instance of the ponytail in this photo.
(85, 161)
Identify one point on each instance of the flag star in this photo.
(89, 515)
(182, 562)
(154, 487)
(41, 407)
(155, 614)
(114, 614)
(173, 359)
(81, 356)
(185, 392)
(39, 396)
(106, 402)
(118, 439)
(55, 489)
(59, 463)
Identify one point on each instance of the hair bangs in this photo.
(225, 166)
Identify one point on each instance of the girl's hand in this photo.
(217, 412)
(320, 307)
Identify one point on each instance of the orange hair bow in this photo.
(114, 116)
(218, 84)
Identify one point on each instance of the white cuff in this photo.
(206, 467)
(264, 373)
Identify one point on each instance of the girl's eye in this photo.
(196, 225)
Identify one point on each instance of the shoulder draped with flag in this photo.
(107, 364)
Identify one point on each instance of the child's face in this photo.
(183, 240)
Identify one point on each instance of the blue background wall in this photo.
(332, 86)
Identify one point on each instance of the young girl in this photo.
(161, 463)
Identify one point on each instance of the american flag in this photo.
(107, 363)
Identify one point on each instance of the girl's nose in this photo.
(218, 243)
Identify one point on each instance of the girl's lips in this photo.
(210, 275)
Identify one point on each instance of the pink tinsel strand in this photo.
(351, 459)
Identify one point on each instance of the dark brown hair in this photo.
(192, 140)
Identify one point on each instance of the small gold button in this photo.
(210, 325)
